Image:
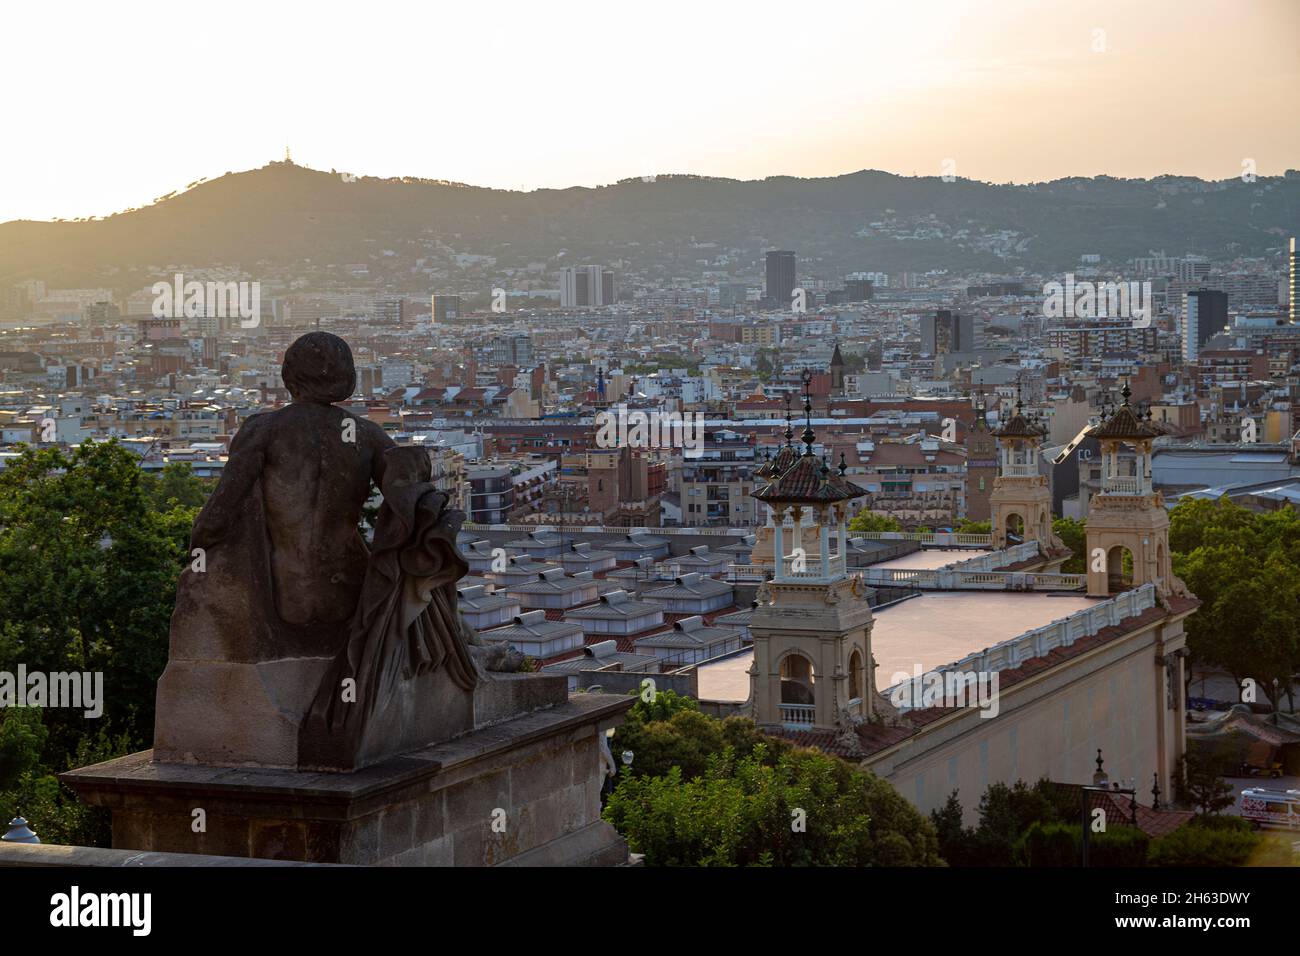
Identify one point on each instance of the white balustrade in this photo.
(798, 715)
(1121, 485)
(1060, 633)
(939, 539)
(1020, 471)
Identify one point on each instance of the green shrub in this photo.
(22, 738)
(1203, 846)
(1274, 849)
(1221, 822)
(803, 809)
(1006, 812)
(52, 810)
(677, 734)
(661, 706)
(1049, 844)
(1118, 846)
(53, 813)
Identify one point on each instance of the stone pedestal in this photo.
(523, 791)
(240, 714)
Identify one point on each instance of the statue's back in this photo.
(316, 475)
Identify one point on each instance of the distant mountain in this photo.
(315, 223)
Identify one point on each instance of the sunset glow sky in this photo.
(107, 106)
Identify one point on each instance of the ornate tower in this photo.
(837, 371)
(1021, 502)
(981, 466)
(813, 668)
(1128, 527)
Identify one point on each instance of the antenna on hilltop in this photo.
(287, 158)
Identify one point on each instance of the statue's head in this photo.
(318, 368)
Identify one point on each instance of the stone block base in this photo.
(249, 714)
(521, 792)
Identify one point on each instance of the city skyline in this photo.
(1019, 93)
(614, 436)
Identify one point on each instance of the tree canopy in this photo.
(90, 552)
(708, 792)
(871, 521)
(1245, 568)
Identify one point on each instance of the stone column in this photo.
(824, 540)
(1163, 762)
(843, 528)
(796, 515)
(1180, 710)
(778, 543)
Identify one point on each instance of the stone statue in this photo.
(406, 623)
(292, 644)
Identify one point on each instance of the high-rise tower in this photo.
(780, 277)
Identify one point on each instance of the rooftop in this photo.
(920, 632)
(616, 605)
(925, 559)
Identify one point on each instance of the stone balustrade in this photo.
(947, 579)
(934, 539)
(1062, 632)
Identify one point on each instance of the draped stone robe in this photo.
(406, 649)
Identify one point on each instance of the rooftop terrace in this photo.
(932, 630)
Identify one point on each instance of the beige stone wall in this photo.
(1112, 698)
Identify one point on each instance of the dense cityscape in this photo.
(870, 519)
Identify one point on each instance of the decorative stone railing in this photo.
(809, 568)
(798, 715)
(1120, 486)
(1020, 471)
(936, 539)
(945, 579)
(599, 529)
(978, 573)
(1063, 632)
(996, 559)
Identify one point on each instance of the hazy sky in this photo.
(109, 105)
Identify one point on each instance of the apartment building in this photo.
(715, 488)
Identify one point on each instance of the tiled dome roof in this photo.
(1126, 424)
(808, 481)
(1021, 426)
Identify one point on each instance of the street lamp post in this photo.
(1101, 784)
